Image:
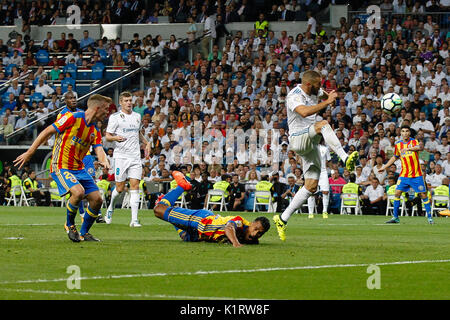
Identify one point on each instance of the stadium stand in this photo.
(240, 83)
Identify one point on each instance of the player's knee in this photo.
(77, 194)
(159, 211)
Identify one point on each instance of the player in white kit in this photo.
(305, 134)
(324, 184)
(124, 128)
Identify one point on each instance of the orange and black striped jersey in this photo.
(410, 159)
(73, 140)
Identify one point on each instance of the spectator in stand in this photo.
(373, 198)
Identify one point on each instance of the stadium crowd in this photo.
(47, 12)
(243, 84)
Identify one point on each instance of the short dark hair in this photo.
(264, 222)
(405, 127)
(352, 177)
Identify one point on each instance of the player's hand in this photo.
(105, 164)
(22, 159)
(331, 97)
(381, 169)
(120, 139)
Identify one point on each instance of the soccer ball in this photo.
(391, 103)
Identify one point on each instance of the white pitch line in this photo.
(28, 224)
(130, 295)
(200, 272)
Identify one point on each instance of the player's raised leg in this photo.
(333, 142)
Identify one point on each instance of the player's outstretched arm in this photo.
(230, 232)
(102, 158)
(306, 111)
(42, 137)
(388, 164)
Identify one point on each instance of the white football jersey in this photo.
(295, 98)
(127, 126)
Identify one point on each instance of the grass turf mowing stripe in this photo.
(146, 275)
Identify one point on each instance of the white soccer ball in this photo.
(391, 103)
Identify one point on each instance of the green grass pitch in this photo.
(321, 259)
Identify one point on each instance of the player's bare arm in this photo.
(112, 137)
(306, 111)
(148, 145)
(230, 232)
(388, 164)
(42, 137)
(102, 158)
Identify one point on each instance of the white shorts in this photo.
(308, 149)
(127, 168)
(324, 183)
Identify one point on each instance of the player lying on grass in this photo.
(76, 132)
(204, 225)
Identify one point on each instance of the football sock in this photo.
(172, 196)
(114, 195)
(81, 208)
(311, 202)
(89, 220)
(396, 207)
(333, 142)
(426, 204)
(183, 234)
(134, 203)
(325, 200)
(71, 214)
(300, 197)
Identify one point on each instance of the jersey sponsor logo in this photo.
(62, 120)
(78, 140)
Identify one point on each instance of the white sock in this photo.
(311, 203)
(300, 197)
(325, 199)
(333, 142)
(134, 203)
(114, 195)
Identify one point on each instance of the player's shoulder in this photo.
(78, 114)
(114, 115)
(295, 91)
